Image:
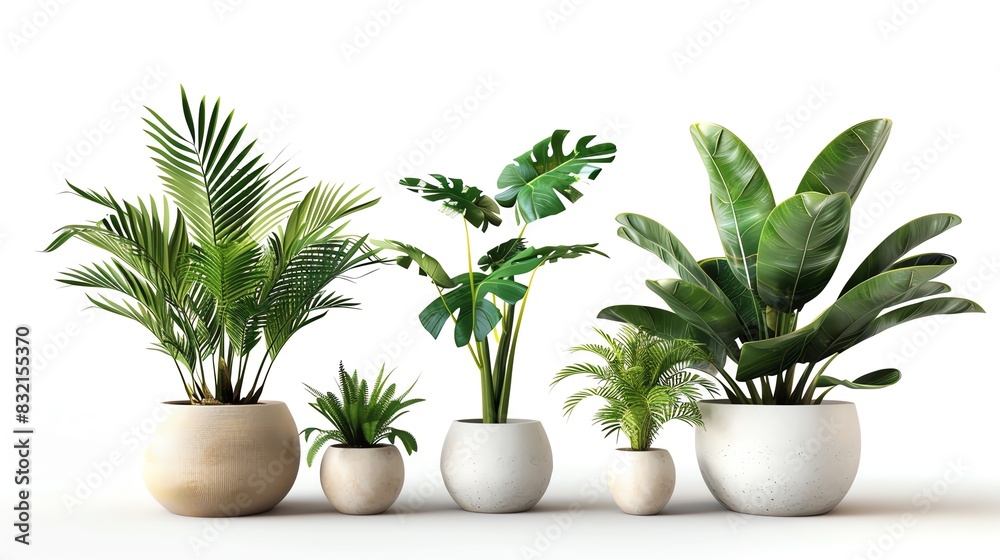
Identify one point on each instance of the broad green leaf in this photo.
(666, 325)
(458, 198)
(840, 326)
(531, 258)
(426, 264)
(741, 196)
(743, 300)
(658, 240)
(501, 254)
(927, 308)
(537, 178)
(473, 312)
(699, 307)
(800, 248)
(844, 164)
(873, 380)
(924, 259)
(900, 242)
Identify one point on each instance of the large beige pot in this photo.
(361, 481)
(222, 460)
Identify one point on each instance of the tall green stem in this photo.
(509, 372)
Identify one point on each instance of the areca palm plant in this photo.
(744, 307)
(231, 259)
(487, 301)
(360, 417)
(645, 381)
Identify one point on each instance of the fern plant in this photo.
(645, 382)
(231, 257)
(360, 418)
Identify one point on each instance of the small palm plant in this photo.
(360, 418)
(232, 259)
(645, 382)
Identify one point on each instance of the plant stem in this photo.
(812, 384)
(509, 372)
(796, 395)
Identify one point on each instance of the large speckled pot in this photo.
(793, 460)
(641, 482)
(496, 468)
(361, 481)
(222, 460)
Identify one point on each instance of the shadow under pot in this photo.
(780, 460)
(361, 480)
(641, 482)
(496, 468)
(222, 460)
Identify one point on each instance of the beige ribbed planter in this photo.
(361, 481)
(222, 460)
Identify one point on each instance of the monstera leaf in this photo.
(844, 164)
(470, 202)
(500, 254)
(468, 305)
(536, 179)
(426, 264)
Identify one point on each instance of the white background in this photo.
(349, 105)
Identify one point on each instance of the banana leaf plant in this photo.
(744, 306)
(230, 258)
(486, 303)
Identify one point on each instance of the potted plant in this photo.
(360, 475)
(789, 456)
(645, 381)
(222, 274)
(495, 463)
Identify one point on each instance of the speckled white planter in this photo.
(496, 468)
(641, 482)
(222, 460)
(361, 481)
(779, 460)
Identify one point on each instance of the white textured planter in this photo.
(496, 468)
(779, 460)
(361, 481)
(222, 460)
(641, 482)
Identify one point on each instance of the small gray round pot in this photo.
(222, 460)
(361, 480)
(496, 468)
(781, 460)
(641, 482)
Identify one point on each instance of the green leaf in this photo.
(742, 299)
(658, 240)
(844, 164)
(699, 307)
(800, 248)
(501, 254)
(531, 258)
(741, 196)
(927, 308)
(426, 264)
(533, 180)
(665, 324)
(874, 380)
(463, 299)
(900, 242)
(457, 197)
